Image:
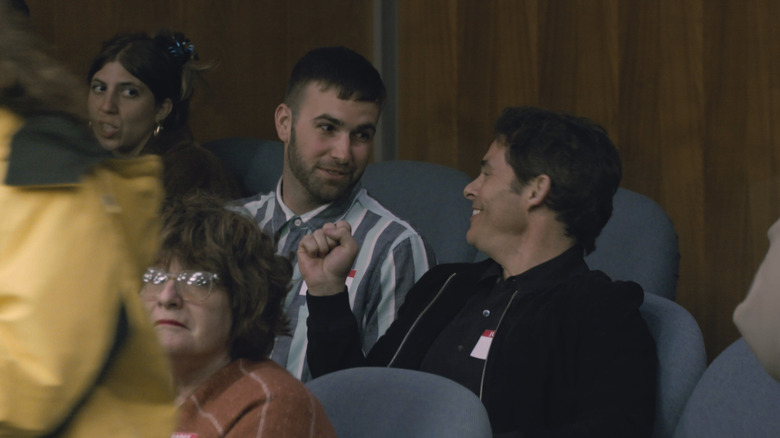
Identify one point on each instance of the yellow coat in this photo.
(72, 251)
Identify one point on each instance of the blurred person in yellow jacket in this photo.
(78, 356)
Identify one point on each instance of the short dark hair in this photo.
(155, 62)
(578, 156)
(201, 232)
(346, 70)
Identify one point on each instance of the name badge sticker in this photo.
(480, 350)
(304, 289)
(184, 435)
(350, 279)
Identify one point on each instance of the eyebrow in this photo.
(121, 84)
(329, 118)
(338, 122)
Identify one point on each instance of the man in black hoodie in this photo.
(552, 348)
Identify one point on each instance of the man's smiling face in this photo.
(500, 214)
(328, 146)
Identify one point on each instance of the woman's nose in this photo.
(108, 104)
(169, 296)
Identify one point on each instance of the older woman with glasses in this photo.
(215, 298)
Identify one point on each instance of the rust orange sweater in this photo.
(252, 399)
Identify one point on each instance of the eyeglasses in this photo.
(193, 286)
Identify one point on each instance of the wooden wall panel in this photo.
(255, 44)
(456, 73)
(427, 100)
(687, 89)
(740, 176)
(578, 59)
(499, 69)
(660, 125)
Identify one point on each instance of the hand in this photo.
(325, 258)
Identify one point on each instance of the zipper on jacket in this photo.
(414, 324)
(500, 320)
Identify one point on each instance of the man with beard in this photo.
(327, 124)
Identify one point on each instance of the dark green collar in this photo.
(52, 150)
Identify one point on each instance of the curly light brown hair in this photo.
(202, 232)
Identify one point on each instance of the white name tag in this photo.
(304, 288)
(184, 435)
(349, 279)
(347, 283)
(483, 345)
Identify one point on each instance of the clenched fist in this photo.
(325, 258)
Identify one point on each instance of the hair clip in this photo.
(181, 49)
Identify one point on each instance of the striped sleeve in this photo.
(399, 267)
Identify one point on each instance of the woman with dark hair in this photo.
(77, 230)
(140, 88)
(216, 299)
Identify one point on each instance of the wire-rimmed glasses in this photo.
(193, 286)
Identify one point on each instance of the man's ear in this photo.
(283, 119)
(539, 188)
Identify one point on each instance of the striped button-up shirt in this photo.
(392, 257)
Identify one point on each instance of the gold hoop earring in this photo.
(157, 130)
